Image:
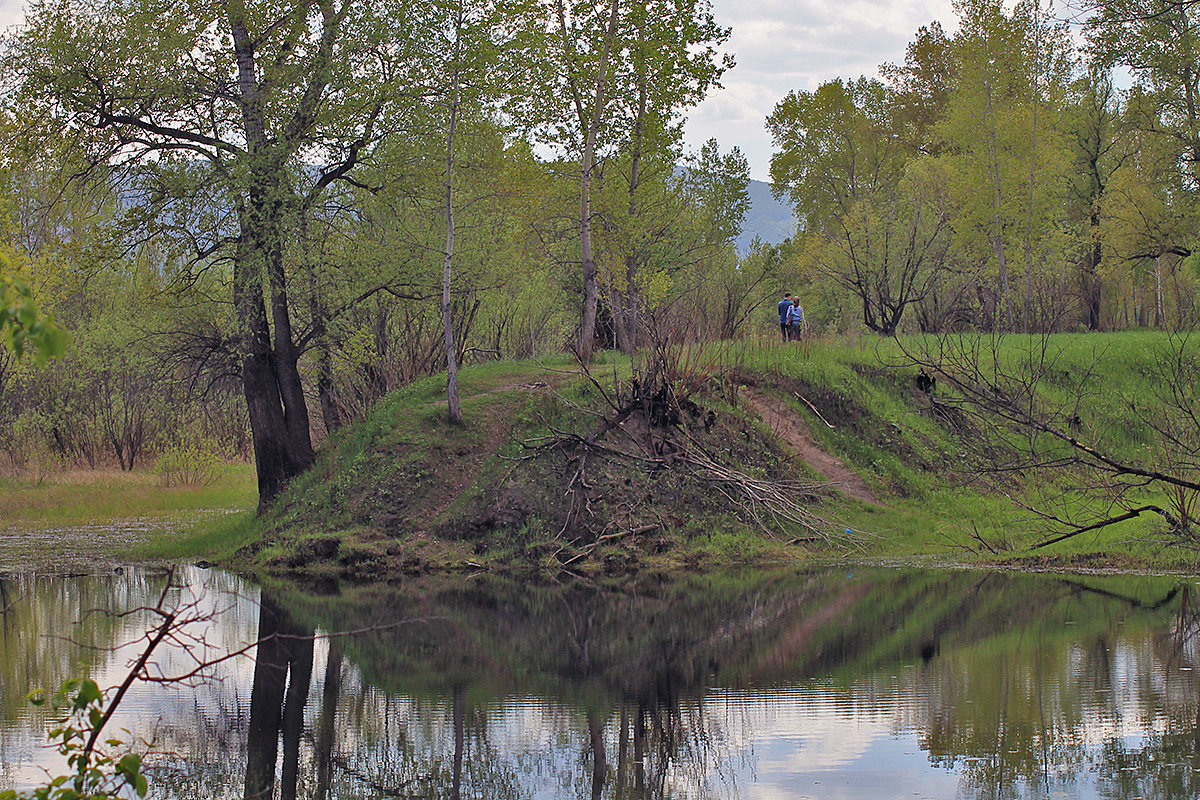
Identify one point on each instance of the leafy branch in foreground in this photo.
(24, 326)
(95, 773)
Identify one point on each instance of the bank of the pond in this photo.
(69, 521)
(829, 449)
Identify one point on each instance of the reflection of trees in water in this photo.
(582, 691)
(54, 628)
(1024, 716)
(630, 718)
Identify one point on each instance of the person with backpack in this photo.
(795, 321)
(784, 306)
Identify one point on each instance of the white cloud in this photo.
(783, 45)
(11, 13)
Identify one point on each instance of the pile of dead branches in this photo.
(659, 430)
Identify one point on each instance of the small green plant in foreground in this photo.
(95, 774)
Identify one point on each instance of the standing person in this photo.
(785, 306)
(795, 320)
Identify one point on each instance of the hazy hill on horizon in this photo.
(767, 218)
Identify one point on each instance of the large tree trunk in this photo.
(591, 287)
(270, 375)
(300, 665)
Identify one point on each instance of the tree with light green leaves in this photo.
(616, 76)
(874, 214)
(1158, 41)
(1148, 221)
(1093, 125)
(1003, 141)
(24, 326)
(244, 112)
(481, 46)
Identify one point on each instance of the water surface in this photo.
(814, 683)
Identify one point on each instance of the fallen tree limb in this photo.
(608, 537)
(1136, 512)
(814, 409)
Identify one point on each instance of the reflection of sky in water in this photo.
(806, 747)
(866, 737)
(156, 712)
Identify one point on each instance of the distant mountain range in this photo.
(767, 218)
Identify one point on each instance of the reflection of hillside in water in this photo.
(879, 683)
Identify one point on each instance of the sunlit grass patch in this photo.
(90, 497)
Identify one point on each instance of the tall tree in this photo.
(874, 219)
(265, 104)
(1092, 123)
(1003, 139)
(1159, 42)
(617, 75)
(480, 53)
(922, 86)
(1148, 214)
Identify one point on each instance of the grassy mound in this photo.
(406, 491)
(540, 475)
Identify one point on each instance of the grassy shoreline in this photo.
(126, 516)
(404, 492)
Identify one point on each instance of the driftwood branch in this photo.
(814, 408)
(1135, 512)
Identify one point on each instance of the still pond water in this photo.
(822, 683)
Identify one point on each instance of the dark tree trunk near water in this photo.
(266, 706)
(270, 375)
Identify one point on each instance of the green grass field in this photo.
(92, 497)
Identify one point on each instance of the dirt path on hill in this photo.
(784, 420)
(459, 480)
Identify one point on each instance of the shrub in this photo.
(189, 464)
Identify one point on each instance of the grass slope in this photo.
(406, 492)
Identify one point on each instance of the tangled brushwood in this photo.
(657, 422)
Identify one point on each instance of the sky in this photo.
(780, 45)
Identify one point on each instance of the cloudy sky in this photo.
(780, 45)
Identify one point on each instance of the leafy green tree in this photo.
(250, 109)
(875, 218)
(834, 146)
(1159, 42)
(1148, 216)
(23, 325)
(1092, 124)
(617, 77)
(1004, 142)
(923, 85)
(481, 51)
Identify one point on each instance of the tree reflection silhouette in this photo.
(1011, 685)
(283, 649)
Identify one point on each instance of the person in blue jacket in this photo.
(795, 321)
(784, 305)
